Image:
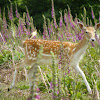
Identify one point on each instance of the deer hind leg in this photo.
(84, 78)
(17, 67)
(26, 77)
(32, 74)
(32, 79)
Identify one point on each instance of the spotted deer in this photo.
(76, 50)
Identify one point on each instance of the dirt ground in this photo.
(6, 76)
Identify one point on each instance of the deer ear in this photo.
(97, 26)
(81, 26)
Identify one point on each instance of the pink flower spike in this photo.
(57, 92)
(51, 85)
(55, 23)
(28, 16)
(52, 12)
(37, 97)
(10, 13)
(99, 42)
(61, 22)
(65, 73)
(92, 13)
(16, 12)
(0, 12)
(92, 44)
(73, 39)
(37, 89)
(59, 66)
(99, 16)
(62, 98)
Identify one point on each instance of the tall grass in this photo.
(60, 82)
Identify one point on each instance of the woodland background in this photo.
(58, 21)
(38, 7)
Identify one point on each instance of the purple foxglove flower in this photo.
(69, 15)
(21, 27)
(16, 12)
(51, 85)
(19, 32)
(29, 98)
(44, 36)
(62, 98)
(92, 44)
(4, 22)
(0, 12)
(96, 36)
(79, 36)
(37, 97)
(49, 32)
(73, 39)
(68, 38)
(72, 25)
(54, 96)
(68, 70)
(52, 12)
(55, 23)
(57, 92)
(76, 37)
(10, 13)
(65, 19)
(65, 73)
(92, 13)
(27, 14)
(28, 23)
(99, 16)
(51, 28)
(37, 89)
(61, 22)
(34, 37)
(59, 65)
(99, 42)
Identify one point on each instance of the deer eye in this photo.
(86, 32)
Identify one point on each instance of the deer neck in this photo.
(81, 48)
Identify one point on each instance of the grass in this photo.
(51, 82)
(76, 89)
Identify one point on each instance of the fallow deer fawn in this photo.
(76, 51)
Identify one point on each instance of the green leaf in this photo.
(15, 58)
(79, 95)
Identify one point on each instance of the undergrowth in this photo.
(52, 82)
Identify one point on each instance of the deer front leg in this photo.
(32, 74)
(14, 79)
(17, 67)
(84, 78)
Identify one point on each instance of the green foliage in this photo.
(13, 96)
(1, 59)
(64, 86)
(5, 56)
(49, 77)
(37, 8)
(23, 87)
(18, 55)
(42, 87)
(98, 85)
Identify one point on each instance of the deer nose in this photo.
(92, 39)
